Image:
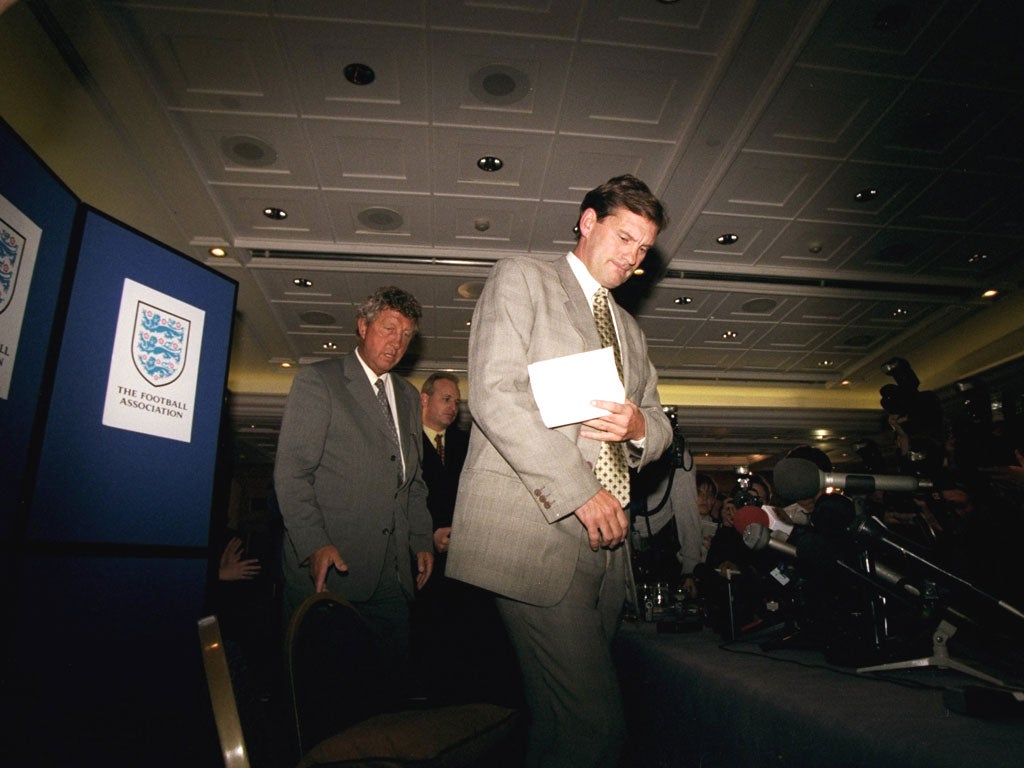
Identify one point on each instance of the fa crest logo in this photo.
(161, 343)
(11, 246)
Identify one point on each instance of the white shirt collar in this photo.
(583, 276)
(369, 372)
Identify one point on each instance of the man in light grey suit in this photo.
(347, 476)
(532, 521)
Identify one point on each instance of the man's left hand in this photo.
(442, 538)
(623, 422)
(424, 567)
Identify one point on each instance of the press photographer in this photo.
(665, 524)
(915, 417)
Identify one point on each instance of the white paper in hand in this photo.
(564, 386)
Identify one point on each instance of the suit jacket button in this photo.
(536, 492)
(547, 505)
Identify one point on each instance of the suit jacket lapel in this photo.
(582, 316)
(362, 392)
(405, 435)
(577, 306)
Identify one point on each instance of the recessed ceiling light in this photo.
(638, 271)
(302, 282)
(900, 313)
(481, 225)
(727, 239)
(977, 258)
(286, 365)
(814, 247)
(359, 74)
(330, 346)
(218, 252)
(489, 163)
(729, 335)
(275, 213)
(866, 194)
(826, 363)
(991, 293)
(682, 300)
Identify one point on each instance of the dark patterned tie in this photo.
(385, 406)
(611, 468)
(439, 444)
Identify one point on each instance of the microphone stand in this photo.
(945, 630)
(878, 606)
(940, 658)
(876, 530)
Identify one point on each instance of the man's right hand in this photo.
(320, 563)
(604, 520)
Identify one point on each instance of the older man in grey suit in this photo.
(347, 476)
(533, 523)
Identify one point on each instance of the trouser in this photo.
(387, 613)
(570, 683)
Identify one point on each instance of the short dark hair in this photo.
(428, 385)
(814, 455)
(704, 479)
(626, 191)
(390, 297)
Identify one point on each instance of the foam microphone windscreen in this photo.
(746, 515)
(797, 479)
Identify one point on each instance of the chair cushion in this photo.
(458, 735)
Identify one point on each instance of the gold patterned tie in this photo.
(611, 469)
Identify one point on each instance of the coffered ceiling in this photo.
(844, 178)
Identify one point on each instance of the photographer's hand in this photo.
(896, 422)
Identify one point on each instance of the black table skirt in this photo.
(692, 700)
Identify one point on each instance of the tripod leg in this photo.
(940, 658)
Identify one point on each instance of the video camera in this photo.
(921, 410)
(742, 495)
(676, 451)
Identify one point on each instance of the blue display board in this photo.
(131, 433)
(112, 383)
(37, 213)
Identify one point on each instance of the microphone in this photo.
(757, 536)
(872, 528)
(764, 516)
(801, 479)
